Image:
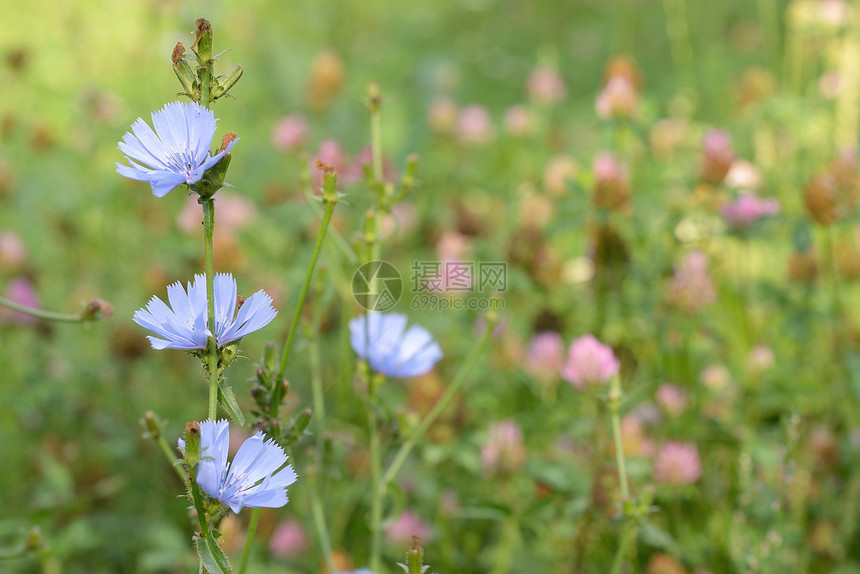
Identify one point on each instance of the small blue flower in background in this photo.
(252, 479)
(359, 571)
(393, 350)
(184, 325)
(176, 152)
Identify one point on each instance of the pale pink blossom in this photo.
(618, 99)
(546, 86)
(290, 132)
(503, 450)
(717, 155)
(13, 252)
(672, 399)
(288, 539)
(408, 524)
(545, 356)
(474, 125)
(677, 463)
(717, 378)
(442, 115)
(760, 359)
(747, 209)
(588, 362)
(691, 288)
(452, 246)
(517, 121)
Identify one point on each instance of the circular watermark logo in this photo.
(377, 286)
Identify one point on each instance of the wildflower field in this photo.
(456, 287)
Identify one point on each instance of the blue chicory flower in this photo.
(257, 476)
(389, 348)
(185, 325)
(176, 152)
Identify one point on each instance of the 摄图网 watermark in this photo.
(436, 285)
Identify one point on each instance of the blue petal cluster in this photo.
(389, 348)
(257, 476)
(184, 324)
(176, 152)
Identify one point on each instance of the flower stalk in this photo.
(329, 202)
(95, 310)
(459, 379)
(319, 432)
(614, 404)
(212, 346)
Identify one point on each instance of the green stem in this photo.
(437, 409)
(276, 396)
(376, 486)
(189, 482)
(336, 236)
(614, 407)
(171, 458)
(768, 16)
(41, 314)
(375, 132)
(249, 541)
(838, 316)
(621, 553)
(505, 547)
(679, 37)
(208, 227)
(319, 430)
(205, 76)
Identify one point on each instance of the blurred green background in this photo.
(74, 77)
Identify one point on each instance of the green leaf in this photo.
(213, 558)
(657, 537)
(227, 400)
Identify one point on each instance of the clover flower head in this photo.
(184, 324)
(589, 361)
(677, 463)
(176, 152)
(545, 356)
(389, 348)
(747, 209)
(257, 476)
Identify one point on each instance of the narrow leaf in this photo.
(227, 400)
(213, 558)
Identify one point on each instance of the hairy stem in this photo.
(276, 396)
(212, 347)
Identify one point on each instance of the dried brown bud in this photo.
(192, 428)
(228, 138)
(819, 197)
(622, 66)
(98, 309)
(324, 167)
(803, 266)
(240, 300)
(326, 79)
(178, 51)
